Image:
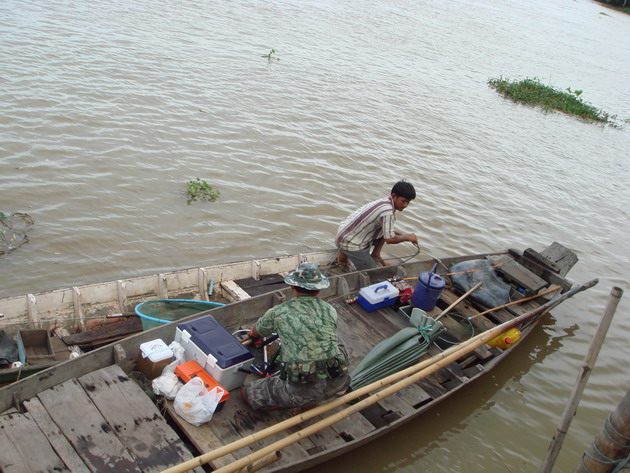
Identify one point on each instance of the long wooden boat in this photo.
(77, 306)
(88, 414)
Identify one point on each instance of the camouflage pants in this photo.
(276, 392)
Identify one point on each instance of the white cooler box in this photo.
(377, 296)
(216, 350)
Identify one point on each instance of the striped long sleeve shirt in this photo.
(366, 224)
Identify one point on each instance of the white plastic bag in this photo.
(167, 384)
(195, 404)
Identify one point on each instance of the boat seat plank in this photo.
(56, 438)
(562, 258)
(83, 425)
(518, 274)
(135, 419)
(266, 283)
(24, 447)
(233, 292)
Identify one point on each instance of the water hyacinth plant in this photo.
(201, 190)
(532, 91)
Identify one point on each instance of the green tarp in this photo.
(399, 351)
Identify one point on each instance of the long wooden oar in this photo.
(459, 299)
(515, 302)
(415, 372)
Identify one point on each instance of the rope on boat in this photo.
(620, 463)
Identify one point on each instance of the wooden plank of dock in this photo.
(87, 430)
(137, 423)
(102, 421)
(56, 438)
(24, 448)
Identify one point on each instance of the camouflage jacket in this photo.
(307, 327)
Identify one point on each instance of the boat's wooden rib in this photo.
(109, 420)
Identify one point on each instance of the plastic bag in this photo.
(195, 404)
(167, 384)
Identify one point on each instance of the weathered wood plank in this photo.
(353, 427)
(135, 419)
(404, 401)
(88, 432)
(233, 292)
(58, 441)
(561, 256)
(238, 418)
(203, 437)
(362, 330)
(520, 275)
(24, 448)
(110, 331)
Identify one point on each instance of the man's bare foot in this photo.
(342, 260)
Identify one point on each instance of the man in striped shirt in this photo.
(372, 226)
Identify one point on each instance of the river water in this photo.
(109, 108)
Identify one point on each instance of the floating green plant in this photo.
(201, 190)
(271, 55)
(532, 91)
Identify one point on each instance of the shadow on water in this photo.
(420, 437)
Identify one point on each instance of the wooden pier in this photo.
(102, 421)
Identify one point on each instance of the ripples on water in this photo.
(109, 108)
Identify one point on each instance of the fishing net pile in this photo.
(494, 291)
(13, 228)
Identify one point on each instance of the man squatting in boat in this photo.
(314, 364)
(372, 226)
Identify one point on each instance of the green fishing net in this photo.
(13, 228)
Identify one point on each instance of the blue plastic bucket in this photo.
(428, 290)
(164, 311)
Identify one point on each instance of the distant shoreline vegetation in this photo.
(532, 91)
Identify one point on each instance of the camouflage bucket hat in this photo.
(307, 276)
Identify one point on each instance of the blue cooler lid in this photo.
(213, 339)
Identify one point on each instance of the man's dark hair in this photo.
(310, 292)
(404, 189)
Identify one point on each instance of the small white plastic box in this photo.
(153, 358)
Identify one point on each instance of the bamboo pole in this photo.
(582, 379)
(456, 352)
(515, 302)
(262, 463)
(459, 299)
